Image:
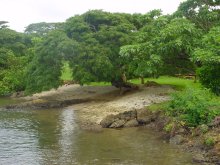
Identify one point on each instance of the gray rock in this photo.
(117, 124)
(107, 121)
(146, 116)
(128, 115)
(131, 123)
(178, 139)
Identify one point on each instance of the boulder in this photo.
(128, 115)
(178, 139)
(146, 116)
(117, 124)
(107, 121)
(131, 123)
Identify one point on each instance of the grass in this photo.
(178, 83)
(66, 72)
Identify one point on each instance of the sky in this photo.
(21, 13)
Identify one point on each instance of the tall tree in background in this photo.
(204, 13)
(42, 28)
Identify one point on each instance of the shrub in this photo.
(209, 141)
(210, 77)
(193, 106)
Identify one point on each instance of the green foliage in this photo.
(98, 36)
(204, 13)
(209, 141)
(209, 56)
(11, 73)
(42, 28)
(169, 127)
(193, 106)
(44, 71)
(177, 40)
(210, 77)
(142, 62)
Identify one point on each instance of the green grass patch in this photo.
(178, 83)
(158, 106)
(66, 72)
(99, 84)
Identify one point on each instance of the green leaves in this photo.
(209, 56)
(44, 71)
(194, 107)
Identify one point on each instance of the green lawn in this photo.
(66, 72)
(178, 83)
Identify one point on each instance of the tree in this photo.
(99, 36)
(11, 72)
(44, 71)
(42, 28)
(176, 43)
(142, 58)
(204, 13)
(2, 24)
(142, 61)
(13, 48)
(209, 56)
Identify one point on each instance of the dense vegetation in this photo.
(114, 47)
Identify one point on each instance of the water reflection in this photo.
(68, 136)
(49, 137)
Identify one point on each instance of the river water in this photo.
(52, 137)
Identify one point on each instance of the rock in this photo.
(146, 117)
(117, 124)
(131, 123)
(107, 121)
(215, 122)
(178, 139)
(128, 115)
(199, 158)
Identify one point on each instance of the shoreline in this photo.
(93, 104)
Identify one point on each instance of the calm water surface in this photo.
(52, 137)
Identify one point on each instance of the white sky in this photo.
(21, 13)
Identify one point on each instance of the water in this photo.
(52, 137)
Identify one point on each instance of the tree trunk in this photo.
(142, 80)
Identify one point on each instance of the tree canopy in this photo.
(113, 47)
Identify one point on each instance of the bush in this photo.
(210, 77)
(193, 106)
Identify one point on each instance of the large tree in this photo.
(99, 36)
(44, 71)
